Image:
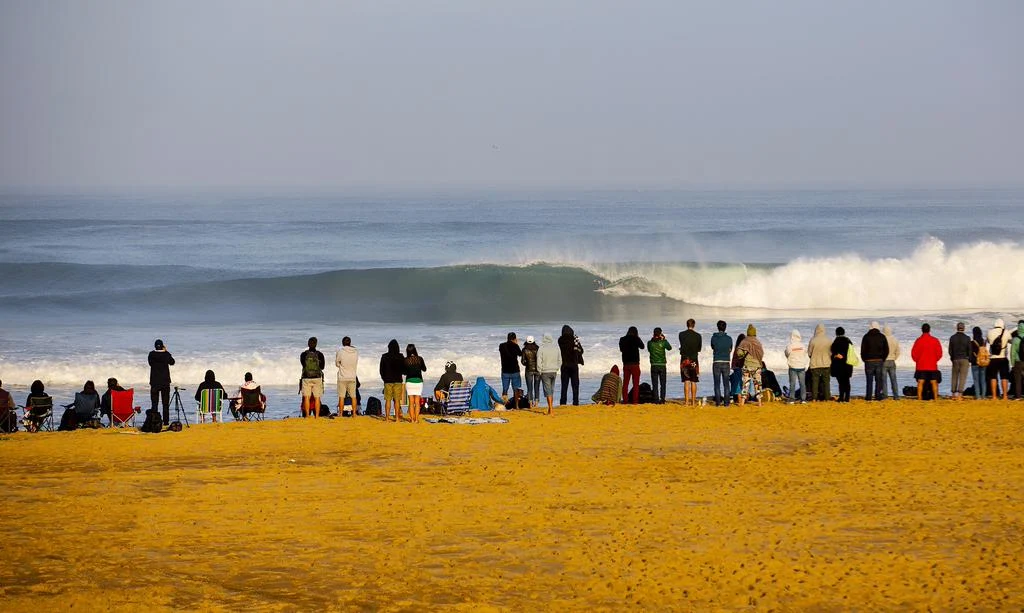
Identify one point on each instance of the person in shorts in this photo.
(347, 361)
(689, 368)
(549, 362)
(392, 369)
(926, 353)
(311, 385)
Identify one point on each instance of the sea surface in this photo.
(236, 280)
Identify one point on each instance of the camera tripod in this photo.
(179, 410)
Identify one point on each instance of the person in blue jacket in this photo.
(483, 396)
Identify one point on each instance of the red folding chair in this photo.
(122, 409)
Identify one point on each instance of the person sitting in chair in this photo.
(86, 402)
(34, 417)
(238, 409)
(210, 383)
(112, 386)
(451, 373)
(8, 415)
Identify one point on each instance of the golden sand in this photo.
(897, 506)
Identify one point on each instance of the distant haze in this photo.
(274, 93)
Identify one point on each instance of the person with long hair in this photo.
(978, 371)
(414, 369)
(840, 367)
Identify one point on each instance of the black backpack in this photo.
(69, 420)
(153, 423)
(373, 406)
(645, 395)
(997, 345)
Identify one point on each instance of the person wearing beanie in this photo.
(926, 353)
(819, 350)
(752, 353)
(530, 349)
(611, 388)
(630, 346)
(160, 361)
(840, 367)
(959, 349)
(889, 366)
(874, 349)
(999, 339)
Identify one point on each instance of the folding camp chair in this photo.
(122, 408)
(85, 408)
(457, 402)
(210, 405)
(39, 414)
(252, 406)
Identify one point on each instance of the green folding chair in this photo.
(210, 405)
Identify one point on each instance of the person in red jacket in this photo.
(926, 353)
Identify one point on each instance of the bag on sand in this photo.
(645, 394)
(154, 423)
(68, 421)
(983, 358)
(373, 407)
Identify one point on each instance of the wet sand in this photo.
(897, 506)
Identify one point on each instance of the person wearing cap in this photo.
(751, 351)
(530, 370)
(160, 361)
(874, 349)
(926, 353)
(630, 346)
(960, 355)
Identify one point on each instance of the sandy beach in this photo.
(898, 506)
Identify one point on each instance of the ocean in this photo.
(237, 280)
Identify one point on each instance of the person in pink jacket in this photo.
(926, 353)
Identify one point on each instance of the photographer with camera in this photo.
(160, 361)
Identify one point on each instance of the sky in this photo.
(526, 93)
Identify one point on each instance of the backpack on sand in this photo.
(373, 407)
(983, 355)
(154, 423)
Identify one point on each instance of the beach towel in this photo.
(469, 421)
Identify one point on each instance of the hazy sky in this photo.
(470, 92)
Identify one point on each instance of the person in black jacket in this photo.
(840, 368)
(874, 349)
(210, 382)
(160, 361)
(510, 353)
(572, 357)
(630, 346)
(392, 368)
(960, 357)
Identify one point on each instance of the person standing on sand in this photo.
(1017, 360)
(978, 370)
(160, 361)
(959, 349)
(752, 352)
(414, 369)
(549, 362)
(392, 367)
(796, 359)
(572, 358)
(840, 367)
(656, 349)
(510, 353)
(889, 366)
(689, 367)
(347, 361)
(926, 353)
(311, 385)
(630, 346)
(819, 350)
(736, 376)
(874, 349)
(999, 339)
(721, 348)
(530, 371)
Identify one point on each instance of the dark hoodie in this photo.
(630, 346)
(210, 382)
(874, 347)
(569, 345)
(392, 364)
(450, 374)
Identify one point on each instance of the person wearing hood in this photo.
(549, 362)
(630, 346)
(572, 359)
(819, 353)
(451, 373)
(999, 339)
(1017, 360)
(610, 389)
(874, 349)
(530, 349)
(840, 367)
(752, 352)
(889, 365)
(959, 349)
(347, 360)
(392, 368)
(656, 348)
(721, 348)
(210, 383)
(483, 397)
(797, 360)
(978, 370)
(926, 353)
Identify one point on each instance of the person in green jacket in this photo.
(657, 347)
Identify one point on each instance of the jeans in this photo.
(658, 379)
(162, 392)
(889, 370)
(820, 384)
(796, 377)
(570, 376)
(978, 375)
(533, 386)
(720, 375)
(959, 376)
(512, 378)
(630, 372)
(874, 375)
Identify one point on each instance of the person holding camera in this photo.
(160, 362)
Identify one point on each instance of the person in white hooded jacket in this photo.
(549, 362)
(819, 350)
(796, 358)
(999, 363)
(347, 359)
